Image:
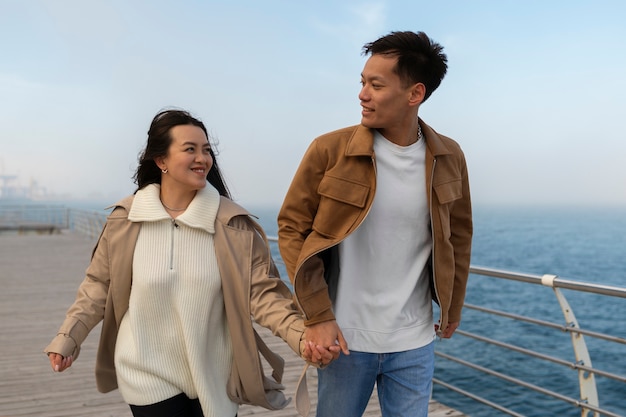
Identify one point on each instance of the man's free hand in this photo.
(448, 331)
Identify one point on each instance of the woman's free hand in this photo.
(58, 362)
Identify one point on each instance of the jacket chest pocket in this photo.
(447, 193)
(341, 204)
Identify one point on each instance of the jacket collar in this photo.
(433, 140)
(201, 213)
(229, 209)
(361, 143)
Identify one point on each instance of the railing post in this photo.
(586, 380)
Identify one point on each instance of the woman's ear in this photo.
(159, 162)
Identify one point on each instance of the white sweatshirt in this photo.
(383, 300)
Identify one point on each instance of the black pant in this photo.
(178, 406)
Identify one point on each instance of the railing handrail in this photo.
(557, 282)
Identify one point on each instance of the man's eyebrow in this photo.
(374, 77)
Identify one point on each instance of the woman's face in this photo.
(188, 160)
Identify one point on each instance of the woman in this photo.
(180, 342)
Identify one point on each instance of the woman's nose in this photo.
(202, 157)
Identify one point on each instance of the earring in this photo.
(164, 171)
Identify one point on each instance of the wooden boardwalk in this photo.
(39, 275)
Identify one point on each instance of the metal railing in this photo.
(88, 223)
(31, 218)
(587, 400)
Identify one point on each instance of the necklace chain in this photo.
(173, 209)
(419, 133)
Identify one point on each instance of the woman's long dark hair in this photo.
(159, 140)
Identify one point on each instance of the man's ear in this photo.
(418, 92)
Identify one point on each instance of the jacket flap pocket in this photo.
(449, 191)
(343, 190)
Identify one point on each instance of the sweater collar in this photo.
(200, 214)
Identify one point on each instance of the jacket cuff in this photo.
(295, 336)
(64, 345)
(454, 313)
(323, 316)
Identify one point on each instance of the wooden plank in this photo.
(39, 275)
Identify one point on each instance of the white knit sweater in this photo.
(174, 337)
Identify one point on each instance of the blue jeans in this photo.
(403, 379)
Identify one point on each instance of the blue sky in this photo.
(534, 94)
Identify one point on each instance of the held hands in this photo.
(319, 355)
(323, 343)
(59, 363)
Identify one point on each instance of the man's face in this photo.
(384, 98)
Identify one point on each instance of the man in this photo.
(376, 223)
